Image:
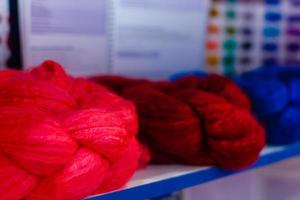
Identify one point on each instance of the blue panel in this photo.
(270, 47)
(271, 32)
(272, 2)
(273, 17)
(294, 18)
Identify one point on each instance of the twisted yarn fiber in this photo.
(63, 138)
(275, 96)
(197, 121)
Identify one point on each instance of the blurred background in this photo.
(155, 39)
(151, 38)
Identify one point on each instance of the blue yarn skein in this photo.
(294, 91)
(275, 96)
(268, 95)
(291, 77)
(283, 128)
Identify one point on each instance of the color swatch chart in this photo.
(244, 34)
(4, 30)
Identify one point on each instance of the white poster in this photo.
(150, 38)
(155, 38)
(73, 33)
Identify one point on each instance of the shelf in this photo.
(163, 179)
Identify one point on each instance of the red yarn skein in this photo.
(201, 121)
(59, 140)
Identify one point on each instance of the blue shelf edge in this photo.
(171, 184)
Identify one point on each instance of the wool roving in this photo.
(63, 137)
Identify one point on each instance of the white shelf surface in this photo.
(157, 180)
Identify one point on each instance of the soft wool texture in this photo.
(275, 96)
(63, 138)
(195, 120)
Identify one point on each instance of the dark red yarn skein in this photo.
(63, 138)
(202, 121)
